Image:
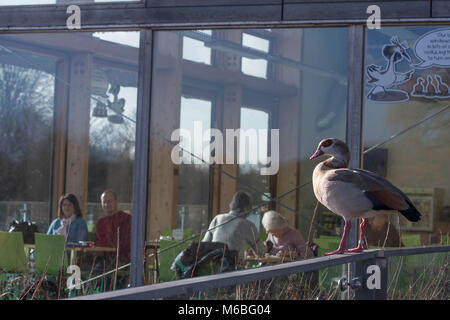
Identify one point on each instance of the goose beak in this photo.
(316, 154)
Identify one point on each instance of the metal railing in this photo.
(362, 261)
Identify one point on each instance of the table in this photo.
(75, 250)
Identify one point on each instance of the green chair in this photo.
(49, 249)
(12, 252)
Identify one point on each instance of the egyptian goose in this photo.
(355, 193)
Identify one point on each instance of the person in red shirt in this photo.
(116, 222)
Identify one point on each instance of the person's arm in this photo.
(208, 235)
(52, 228)
(254, 240)
(301, 247)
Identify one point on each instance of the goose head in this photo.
(337, 149)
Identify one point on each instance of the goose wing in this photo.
(383, 194)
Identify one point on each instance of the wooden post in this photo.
(78, 127)
(288, 176)
(165, 118)
(231, 111)
(355, 99)
(60, 135)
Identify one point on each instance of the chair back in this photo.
(167, 256)
(12, 252)
(49, 250)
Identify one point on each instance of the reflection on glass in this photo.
(305, 100)
(255, 67)
(67, 125)
(253, 156)
(112, 136)
(415, 161)
(195, 50)
(27, 83)
(323, 115)
(128, 38)
(193, 183)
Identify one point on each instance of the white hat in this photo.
(273, 220)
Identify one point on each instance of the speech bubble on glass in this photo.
(433, 48)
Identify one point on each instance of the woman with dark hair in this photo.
(70, 222)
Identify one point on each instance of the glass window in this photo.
(68, 105)
(406, 116)
(281, 118)
(253, 155)
(27, 84)
(254, 66)
(194, 49)
(193, 179)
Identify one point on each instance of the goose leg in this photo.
(343, 245)
(361, 244)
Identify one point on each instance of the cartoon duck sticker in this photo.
(383, 79)
(432, 88)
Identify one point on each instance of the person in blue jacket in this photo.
(69, 222)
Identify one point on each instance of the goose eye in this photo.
(327, 143)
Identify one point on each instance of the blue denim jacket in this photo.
(77, 232)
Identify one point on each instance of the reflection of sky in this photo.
(195, 50)
(254, 119)
(255, 67)
(195, 110)
(129, 38)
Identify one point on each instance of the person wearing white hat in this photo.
(282, 240)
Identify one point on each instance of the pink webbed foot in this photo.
(360, 248)
(338, 251)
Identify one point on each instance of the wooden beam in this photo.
(78, 127)
(287, 44)
(165, 118)
(60, 131)
(231, 110)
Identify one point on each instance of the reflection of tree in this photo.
(111, 156)
(193, 187)
(26, 115)
(250, 175)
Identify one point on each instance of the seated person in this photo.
(115, 219)
(234, 229)
(282, 240)
(69, 222)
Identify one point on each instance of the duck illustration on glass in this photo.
(383, 79)
(432, 88)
